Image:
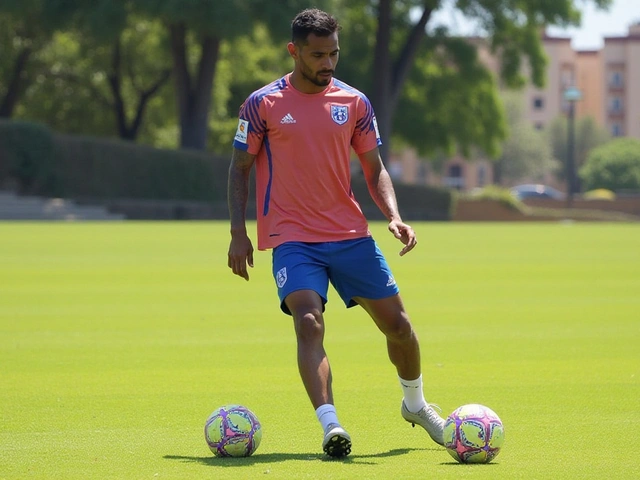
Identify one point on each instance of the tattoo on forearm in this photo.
(238, 186)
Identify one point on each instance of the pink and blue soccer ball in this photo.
(233, 431)
(473, 434)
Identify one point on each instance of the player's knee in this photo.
(400, 330)
(309, 326)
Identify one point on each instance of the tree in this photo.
(95, 86)
(588, 136)
(246, 64)
(123, 61)
(614, 166)
(96, 49)
(526, 153)
(197, 29)
(23, 32)
(512, 28)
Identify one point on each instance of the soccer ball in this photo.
(232, 431)
(473, 434)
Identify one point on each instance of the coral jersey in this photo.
(302, 144)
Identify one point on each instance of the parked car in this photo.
(535, 190)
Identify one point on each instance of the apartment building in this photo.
(608, 80)
(621, 73)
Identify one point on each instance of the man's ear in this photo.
(293, 50)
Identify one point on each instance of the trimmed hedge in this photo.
(27, 158)
(37, 162)
(415, 202)
(108, 169)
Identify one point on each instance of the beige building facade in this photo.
(621, 62)
(608, 79)
(609, 83)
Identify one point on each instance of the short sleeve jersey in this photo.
(302, 144)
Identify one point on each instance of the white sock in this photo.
(413, 394)
(327, 415)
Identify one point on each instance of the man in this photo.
(299, 131)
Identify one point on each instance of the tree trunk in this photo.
(16, 84)
(497, 171)
(389, 78)
(145, 96)
(115, 82)
(382, 76)
(126, 130)
(194, 97)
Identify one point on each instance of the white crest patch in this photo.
(281, 277)
(340, 114)
(243, 131)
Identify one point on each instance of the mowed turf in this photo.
(117, 340)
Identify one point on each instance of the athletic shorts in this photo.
(355, 268)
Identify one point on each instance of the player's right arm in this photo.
(240, 250)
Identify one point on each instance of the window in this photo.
(538, 103)
(616, 130)
(616, 80)
(566, 78)
(615, 105)
(454, 178)
(482, 176)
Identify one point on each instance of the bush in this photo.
(498, 194)
(416, 202)
(613, 166)
(109, 169)
(26, 158)
(104, 170)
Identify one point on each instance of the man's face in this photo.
(317, 59)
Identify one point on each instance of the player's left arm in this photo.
(381, 190)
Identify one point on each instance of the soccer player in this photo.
(299, 132)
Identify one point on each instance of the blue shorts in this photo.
(355, 268)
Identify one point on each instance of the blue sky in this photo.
(596, 24)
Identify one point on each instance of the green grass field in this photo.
(117, 340)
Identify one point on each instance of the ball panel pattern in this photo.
(233, 431)
(473, 434)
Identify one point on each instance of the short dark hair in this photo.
(313, 21)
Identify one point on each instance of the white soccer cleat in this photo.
(337, 442)
(428, 419)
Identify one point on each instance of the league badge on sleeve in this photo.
(375, 127)
(340, 114)
(242, 132)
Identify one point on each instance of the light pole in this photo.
(571, 96)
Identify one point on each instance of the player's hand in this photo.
(405, 234)
(240, 255)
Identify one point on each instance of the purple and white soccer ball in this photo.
(473, 434)
(233, 431)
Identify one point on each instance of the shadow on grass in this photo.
(281, 457)
(475, 465)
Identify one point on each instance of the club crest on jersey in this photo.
(340, 114)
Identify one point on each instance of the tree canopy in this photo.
(613, 166)
(526, 154)
(512, 28)
(69, 61)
